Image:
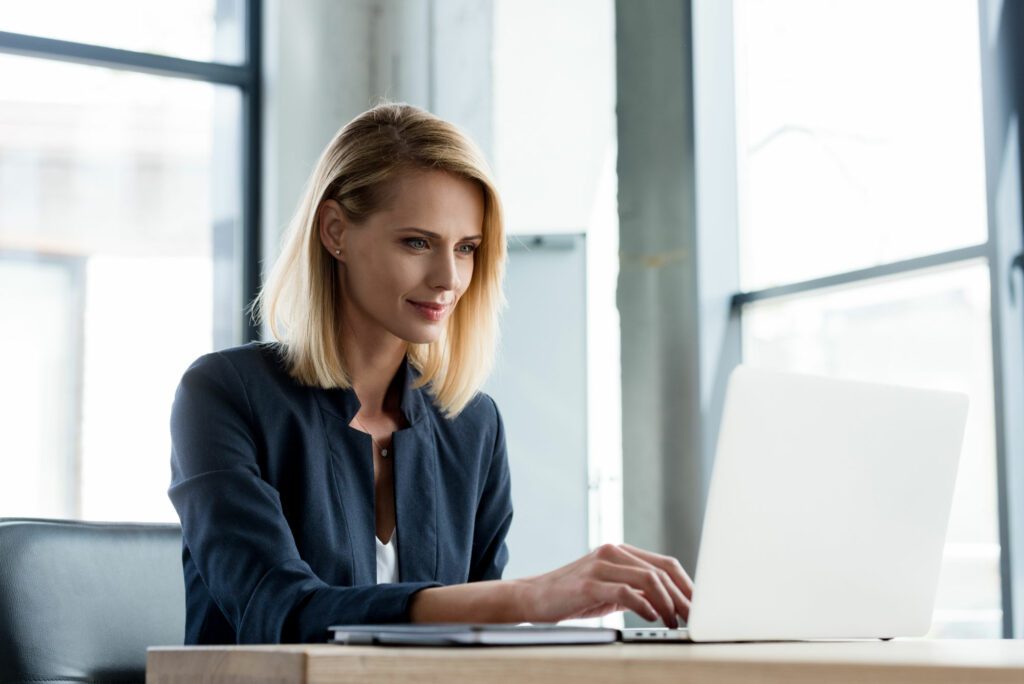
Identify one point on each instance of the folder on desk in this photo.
(469, 635)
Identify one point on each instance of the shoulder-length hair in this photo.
(299, 301)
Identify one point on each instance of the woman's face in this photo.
(405, 267)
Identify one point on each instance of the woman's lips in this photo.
(432, 312)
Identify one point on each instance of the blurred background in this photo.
(822, 186)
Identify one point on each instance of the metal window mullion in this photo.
(126, 60)
(252, 167)
(852, 277)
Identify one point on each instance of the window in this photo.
(126, 239)
(863, 228)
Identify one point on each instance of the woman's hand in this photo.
(610, 578)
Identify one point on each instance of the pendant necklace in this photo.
(383, 451)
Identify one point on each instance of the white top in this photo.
(387, 559)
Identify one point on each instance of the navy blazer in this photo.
(276, 498)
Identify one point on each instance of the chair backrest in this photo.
(81, 602)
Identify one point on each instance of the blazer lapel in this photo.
(416, 502)
(415, 471)
(352, 466)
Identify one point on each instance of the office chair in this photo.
(80, 602)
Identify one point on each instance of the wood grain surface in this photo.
(975, 661)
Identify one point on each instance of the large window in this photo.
(126, 164)
(863, 227)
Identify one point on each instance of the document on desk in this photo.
(469, 635)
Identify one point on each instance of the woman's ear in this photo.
(331, 222)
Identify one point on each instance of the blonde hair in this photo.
(299, 301)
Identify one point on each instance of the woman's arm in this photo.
(489, 601)
(610, 578)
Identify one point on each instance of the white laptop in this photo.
(827, 512)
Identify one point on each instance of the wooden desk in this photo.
(977, 662)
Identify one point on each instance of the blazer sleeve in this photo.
(494, 511)
(236, 532)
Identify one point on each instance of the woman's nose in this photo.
(445, 274)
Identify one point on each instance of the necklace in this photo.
(383, 451)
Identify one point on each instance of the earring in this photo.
(337, 251)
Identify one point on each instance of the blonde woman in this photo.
(352, 471)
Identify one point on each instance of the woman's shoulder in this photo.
(477, 434)
(248, 361)
(479, 415)
(255, 354)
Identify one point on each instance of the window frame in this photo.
(247, 77)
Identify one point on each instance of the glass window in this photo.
(859, 134)
(115, 188)
(41, 320)
(204, 30)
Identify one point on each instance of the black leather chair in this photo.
(81, 602)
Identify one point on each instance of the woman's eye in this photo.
(420, 244)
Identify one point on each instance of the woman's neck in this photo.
(372, 368)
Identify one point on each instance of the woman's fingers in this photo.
(648, 580)
(666, 563)
(682, 602)
(619, 594)
(624, 556)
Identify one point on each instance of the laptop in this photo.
(827, 511)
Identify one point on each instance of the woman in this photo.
(352, 472)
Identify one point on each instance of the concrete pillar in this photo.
(678, 269)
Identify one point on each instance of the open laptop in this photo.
(827, 511)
